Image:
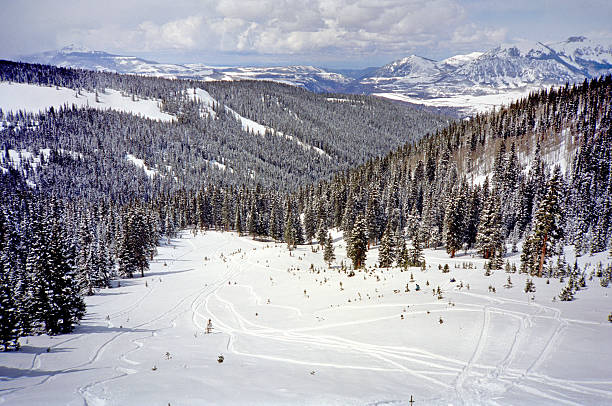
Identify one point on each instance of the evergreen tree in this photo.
(373, 217)
(238, 220)
(310, 224)
(358, 244)
(321, 233)
(328, 253)
(489, 239)
(289, 234)
(10, 327)
(547, 230)
(454, 223)
(386, 250)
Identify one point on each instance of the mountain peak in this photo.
(74, 48)
(577, 39)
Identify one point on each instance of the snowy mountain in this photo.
(477, 81)
(309, 77)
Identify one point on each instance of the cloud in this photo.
(472, 34)
(294, 29)
(181, 34)
(285, 27)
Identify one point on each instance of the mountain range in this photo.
(472, 82)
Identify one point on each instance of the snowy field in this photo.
(33, 98)
(292, 334)
(468, 103)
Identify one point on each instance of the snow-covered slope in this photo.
(247, 124)
(34, 98)
(290, 334)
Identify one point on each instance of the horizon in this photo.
(75, 48)
(335, 34)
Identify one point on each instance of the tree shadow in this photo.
(30, 349)
(8, 373)
(163, 273)
(93, 329)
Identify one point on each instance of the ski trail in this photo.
(85, 390)
(326, 342)
(465, 373)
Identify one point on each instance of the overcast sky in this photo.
(330, 33)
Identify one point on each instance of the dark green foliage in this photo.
(386, 251)
(547, 230)
(328, 251)
(357, 245)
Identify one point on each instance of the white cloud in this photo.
(181, 34)
(290, 27)
(472, 34)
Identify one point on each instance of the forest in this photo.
(388, 176)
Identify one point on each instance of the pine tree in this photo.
(9, 315)
(489, 239)
(358, 245)
(310, 224)
(415, 254)
(289, 234)
(373, 217)
(328, 253)
(454, 223)
(238, 220)
(547, 230)
(386, 252)
(321, 233)
(10, 326)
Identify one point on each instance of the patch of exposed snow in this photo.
(33, 98)
(249, 125)
(141, 164)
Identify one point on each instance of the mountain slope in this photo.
(262, 132)
(479, 81)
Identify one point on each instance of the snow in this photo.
(141, 164)
(468, 102)
(33, 98)
(292, 336)
(459, 60)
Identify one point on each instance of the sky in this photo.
(328, 33)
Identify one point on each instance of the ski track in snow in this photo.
(519, 366)
(85, 390)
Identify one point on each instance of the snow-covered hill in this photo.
(33, 98)
(292, 333)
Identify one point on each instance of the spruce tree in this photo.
(454, 223)
(322, 233)
(289, 234)
(489, 239)
(386, 252)
(328, 253)
(10, 326)
(547, 230)
(358, 245)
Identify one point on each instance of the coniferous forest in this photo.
(534, 176)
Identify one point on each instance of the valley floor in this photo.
(295, 333)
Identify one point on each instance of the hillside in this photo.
(280, 136)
